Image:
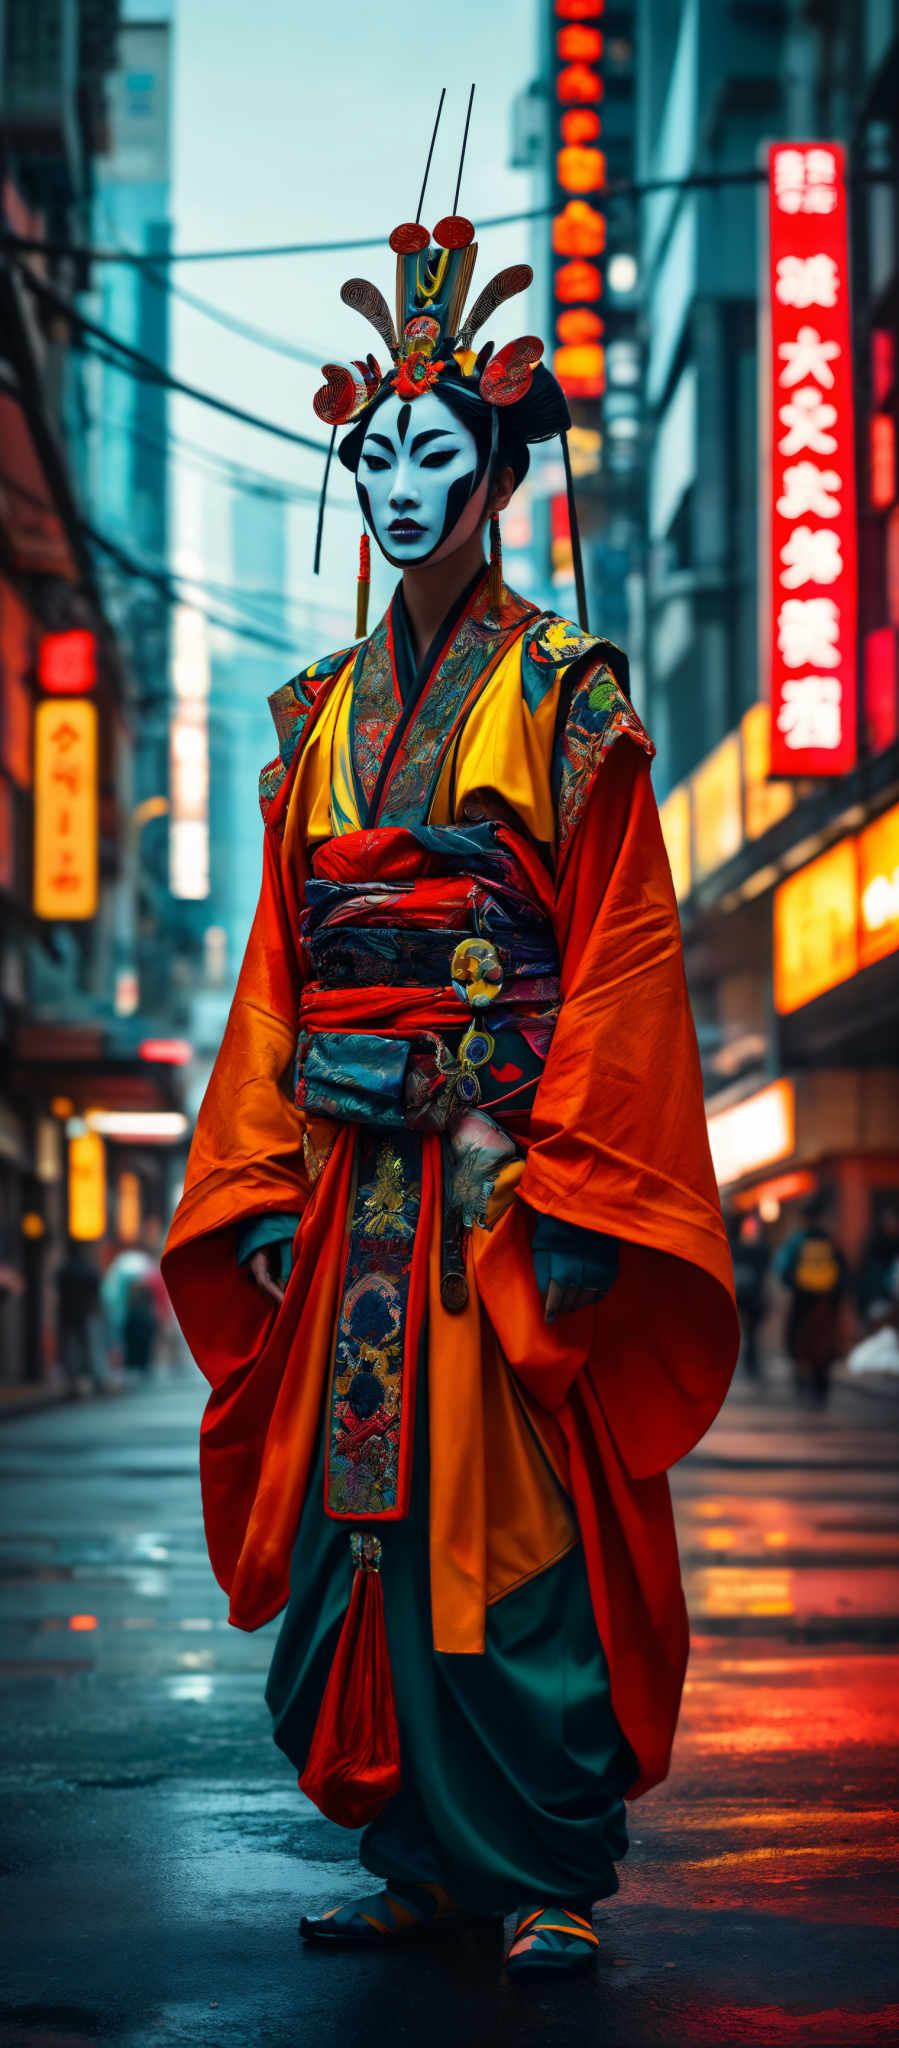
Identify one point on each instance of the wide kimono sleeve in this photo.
(619, 1141)
(246, 1157)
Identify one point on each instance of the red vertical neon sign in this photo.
(813, 566)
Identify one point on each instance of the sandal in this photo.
(548, 1938)
(394, 1914)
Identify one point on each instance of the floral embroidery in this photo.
(415, 375)
(290, 707)
(370, 1401)
(598, 716)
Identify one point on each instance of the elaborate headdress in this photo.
(430, 347)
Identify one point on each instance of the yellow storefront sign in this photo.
(87, 1187)
(816, 942)
(674, 818)
(717, 808)
(65, 809)
(763, 802)
(753, 1133)
(878, 880)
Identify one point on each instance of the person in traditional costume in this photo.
(450, 1250)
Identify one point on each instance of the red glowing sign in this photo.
(579, 230)
(170, 1052)
(882, 446)
(580, 124)
(580, 45)
(67, 663)
(579, 325)
(576, 281)
(812, 539)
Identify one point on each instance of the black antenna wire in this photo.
(464, 147)
(320, 522)
(424, 181)
(577, 559)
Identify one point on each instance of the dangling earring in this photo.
(363, 586)
(495, 580)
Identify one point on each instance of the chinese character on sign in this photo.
(807, 281)
(808, 631)
(811, 555)
(65, 823)
(805, 180)
(806, 488)
(808, 356)
(810, 714)
(808, 418)
(808, 439)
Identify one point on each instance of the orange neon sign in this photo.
(816, 928)
(580, 124)
(878, 882)
(576, 281)
(578, 82)
(579, 44)
(580, 170)
(65, 809)
(581, 370)
(580, 324)
(579, 230)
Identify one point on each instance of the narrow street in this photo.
(158, 1853)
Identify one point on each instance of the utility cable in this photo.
(145, 366)
(616, 188)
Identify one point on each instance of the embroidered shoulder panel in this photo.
(552, 644)
(289, 708)
(598, 715)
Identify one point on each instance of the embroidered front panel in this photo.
(466, 664)
(463, 669)
(375, 710)
(373, 1382)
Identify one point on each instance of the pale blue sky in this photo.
(294, 122)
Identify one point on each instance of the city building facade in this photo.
(777, 766)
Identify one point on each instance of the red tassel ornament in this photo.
(353, 1766)
(362, 587)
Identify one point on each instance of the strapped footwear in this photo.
(558, 1938)
(398, 1913)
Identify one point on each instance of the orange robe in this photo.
(617, 1142)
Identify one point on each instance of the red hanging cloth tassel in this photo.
(362, 587)
(353, 1766)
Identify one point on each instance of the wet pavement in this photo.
(157, 1853)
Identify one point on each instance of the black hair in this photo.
(540, 414)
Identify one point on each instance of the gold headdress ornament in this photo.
(431, 338)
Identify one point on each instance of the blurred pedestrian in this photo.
(752, 1258)
(81, 1346)
(879, 1271)
(813, 1269)
(140, 1325)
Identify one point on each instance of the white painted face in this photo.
(416, 480)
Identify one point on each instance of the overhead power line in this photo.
(235, 476)
(144, 366)
(177, 589)
(616, 188)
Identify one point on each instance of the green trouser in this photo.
(513, 1763)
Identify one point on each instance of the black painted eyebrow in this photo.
(432, 434)
(383, 442)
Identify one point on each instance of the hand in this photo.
(565, 1301)
(264, 1267)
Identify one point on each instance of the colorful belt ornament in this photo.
(477, 977)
